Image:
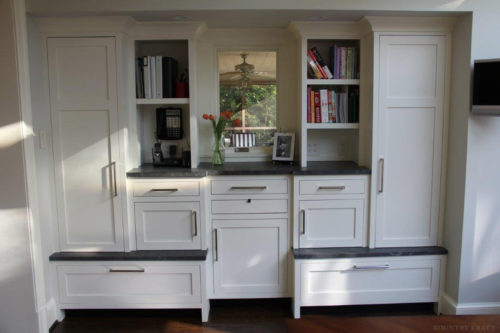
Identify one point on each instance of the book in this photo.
(317, 107)
(312, 64)
(139, 77)
(313, 58)
(147, 72)
(349, 63)
(152, 75)
(312, 106)
(331, 106)
(158, 77)
(308, 104)
(169, 76)
(321, 62)
(324, 105)
(343, 66)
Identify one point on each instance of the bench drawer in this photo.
(370, 281)
(332, 186)
(106, 285)
(166, 189)
(249, 206)
(257, 186)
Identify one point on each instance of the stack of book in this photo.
(155, 77)
(317, 67)
(345, 62)
(328, 106)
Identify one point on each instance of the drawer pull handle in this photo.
(115, 191)
(139, 270)
(195, 223)
(381, 166)
(303, 221)
(262, 188)
(340, 187)
(371, 267)
(216, 247)
(165, 190)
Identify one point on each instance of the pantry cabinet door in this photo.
(410, 139)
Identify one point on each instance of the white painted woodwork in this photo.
(250, 258)
(249, 206)
(162, 188)
(409, 133)
(331, 223)
(92, 285)
(168, 225)
(339, 282)
(332, 186)
(83, 100)
(254, 186)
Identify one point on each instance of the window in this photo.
(248, 89)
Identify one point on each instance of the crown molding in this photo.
(410, 24)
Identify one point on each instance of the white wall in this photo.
(17, 294)
(245, 39)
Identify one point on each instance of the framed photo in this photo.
(284, 146)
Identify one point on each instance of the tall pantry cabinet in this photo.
(83, 100)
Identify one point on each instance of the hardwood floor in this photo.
(275, 316)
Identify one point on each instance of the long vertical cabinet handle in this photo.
(216, 246)
(113, 178)
(195, 223)
(381, 175)
(303, 211)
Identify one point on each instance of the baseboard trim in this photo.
(49, 314)
(449, 306)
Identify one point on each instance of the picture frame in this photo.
(284, 147)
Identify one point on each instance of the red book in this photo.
(311, 54)
(317, 107)
(308, 104)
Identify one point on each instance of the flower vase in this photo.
(219, 153)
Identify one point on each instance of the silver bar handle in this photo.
(340, 187)
(381, 175)
(216, 246)
(262, 188)
(113, 179)
(195, 223)
(303, 211)
(139, 270)
(164, 190)
(371, 267)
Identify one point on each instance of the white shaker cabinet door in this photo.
(83, 100)
(167, 225)
(250, 258)
(409, 133)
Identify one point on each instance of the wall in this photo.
(17, 294)
(250, 39)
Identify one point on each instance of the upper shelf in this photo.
(332, 125)
(162, 101)
(332, 82)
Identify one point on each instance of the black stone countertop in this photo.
(148, 255)
(250, 168)
(359, 252)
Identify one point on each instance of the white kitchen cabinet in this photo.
(83, 101)
(407, 157)
(168, 225)
(331, 223)
(250, 257)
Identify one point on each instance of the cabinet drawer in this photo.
(370, 281)
(249, 206)
(257, 186)
(332, 186)
(166, 189)
(116, 285)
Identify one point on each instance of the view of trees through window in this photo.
(250, 96)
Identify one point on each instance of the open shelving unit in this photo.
(162, 101)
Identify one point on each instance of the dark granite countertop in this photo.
(359, 252)
(149, 255)
(250, 168)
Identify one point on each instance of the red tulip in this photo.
(211, 117)
(237, 122)
(205, 116)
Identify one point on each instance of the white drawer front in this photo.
(342, 284)
(249, 206)
(257, 186)
(97, 285)
(167, 225)
(166, 189)
(332, 186)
